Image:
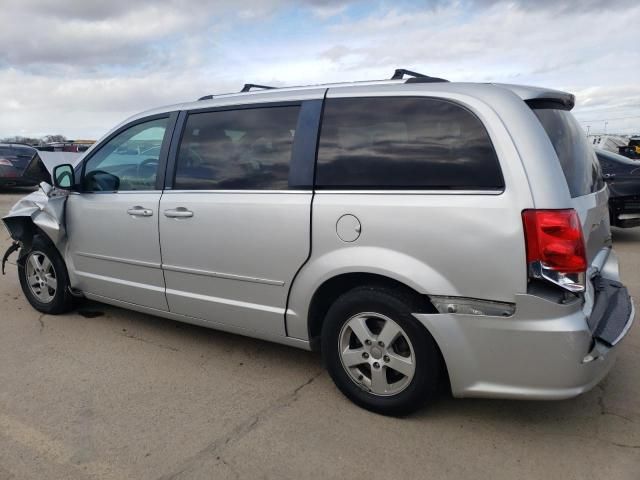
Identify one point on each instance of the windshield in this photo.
(577, 158)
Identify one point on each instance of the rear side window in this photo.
(577, 157)
(237, 149)
(404, 143)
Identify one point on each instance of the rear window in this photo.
(577, 157)
(17, 152)
(404, 143)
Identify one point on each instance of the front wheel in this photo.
(44, 278)
(377, 353)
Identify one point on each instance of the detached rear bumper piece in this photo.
(612, 313)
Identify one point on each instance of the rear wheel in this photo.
(44, 278)
(377, 353)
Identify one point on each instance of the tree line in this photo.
(34, 141)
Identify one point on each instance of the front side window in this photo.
(129, 161)
(404, 143)
(237, 149)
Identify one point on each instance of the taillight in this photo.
(5, 162)
(555, 247)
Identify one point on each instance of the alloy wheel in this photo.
(376, 353)
(41, 276)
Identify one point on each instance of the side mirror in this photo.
(63, 176)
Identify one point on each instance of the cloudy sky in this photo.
(78, 67)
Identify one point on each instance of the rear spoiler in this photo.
(537, 97)
(555, 103)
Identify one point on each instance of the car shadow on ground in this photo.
(177, 335)
(549, 418)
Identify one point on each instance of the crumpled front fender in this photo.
(42, 209)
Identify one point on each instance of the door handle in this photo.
(609, 175)
(139, 211)
(179, 212)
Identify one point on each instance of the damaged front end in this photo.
(14, 247)
(41, 212)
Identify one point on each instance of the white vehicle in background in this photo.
(608, 142)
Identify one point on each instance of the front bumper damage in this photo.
(15, 246)
(39, 212)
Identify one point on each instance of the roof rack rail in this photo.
(415, 76)
(248, 86)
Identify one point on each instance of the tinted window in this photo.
(17, 152)
(412, 143)
(237, 149)
(18, 156)
(576, 155)
(129, 161)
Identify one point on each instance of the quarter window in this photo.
(129, 161)
(577, 158)
(404, 143)
(237, 149)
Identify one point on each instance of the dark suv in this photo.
(623, 177)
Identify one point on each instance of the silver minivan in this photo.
(418, 232)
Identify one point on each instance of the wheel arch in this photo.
(329, 291)
(349, 264)
(23, 228)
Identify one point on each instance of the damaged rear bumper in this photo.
(546, 350)
(613, 311)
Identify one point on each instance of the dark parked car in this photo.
(14, 160)
(630, 151)
(623, 177)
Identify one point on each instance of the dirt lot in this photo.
(128, 396)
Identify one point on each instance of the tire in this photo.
(365, 373)
(44, 278)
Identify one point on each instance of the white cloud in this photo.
(79, 67)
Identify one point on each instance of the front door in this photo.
(112, 224)
(235, 227)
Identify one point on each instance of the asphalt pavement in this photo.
(109, 393)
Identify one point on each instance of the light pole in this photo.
(588, 128)
(605, 127)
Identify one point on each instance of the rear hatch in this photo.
(582, 173)
(17, 158)
(608, 307)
